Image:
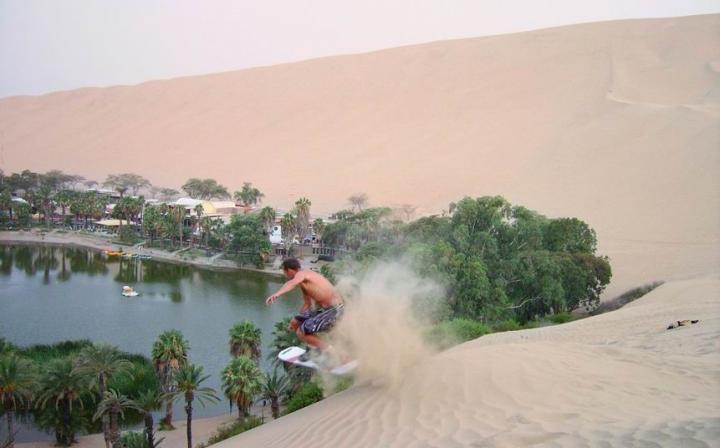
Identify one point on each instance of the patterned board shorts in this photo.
(319, 320)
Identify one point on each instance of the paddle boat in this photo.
(127, 291)
(113, 253)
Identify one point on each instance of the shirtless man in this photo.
(315, 288)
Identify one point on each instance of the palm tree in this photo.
(188, 380)
(6, 202)
(169, 354)
(267, 215)
(288, 224)
(318, 227)
(242, 382)
(112, 406)
(63, 386)
(274, 387)
(282, 339)
(177, 214)
(102, 362)
(197, 220)
(302, 206)
(245, 339)
(148, 402)
(16, 387)
(248, 196)
(64, 199)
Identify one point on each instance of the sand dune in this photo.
(616, 123)
(618, 379)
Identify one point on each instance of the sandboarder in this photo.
(318, 291)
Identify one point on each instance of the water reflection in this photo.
(85, 261)
(164, 272)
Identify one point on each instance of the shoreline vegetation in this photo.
(88, 240)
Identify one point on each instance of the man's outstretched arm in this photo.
(288, 286)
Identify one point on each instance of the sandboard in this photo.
(293, 354)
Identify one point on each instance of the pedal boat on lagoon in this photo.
(129, 292)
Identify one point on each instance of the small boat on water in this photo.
(129, 255)
(127, 291)
(113, 253)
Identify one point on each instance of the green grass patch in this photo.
(455, 331)
(506, 325)
(233, 429)
(560, 318)
(308, 394)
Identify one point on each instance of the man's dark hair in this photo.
(290, 263)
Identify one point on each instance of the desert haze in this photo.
(616, 123)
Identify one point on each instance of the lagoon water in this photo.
(50, 294)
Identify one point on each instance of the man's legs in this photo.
(312, 340)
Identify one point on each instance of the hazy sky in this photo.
(48, 45)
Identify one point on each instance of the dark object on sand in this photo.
(323, 258)
(682, 323)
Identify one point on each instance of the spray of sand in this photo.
(386, 309)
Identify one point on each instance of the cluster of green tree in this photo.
(245, 237)
(496, 261)
(78, 386)
(72, 386)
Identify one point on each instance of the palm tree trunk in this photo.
(168, 413)
(165, 381)
(11, 428)
(114, 430)
(149, 430)
(105, 429)
(67, 433)
(188, 411)
(275, 408)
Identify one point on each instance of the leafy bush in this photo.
(308, 394)
(456, 331)
(128, 235)
(560, 318)
(225, 432)
(506, 325)
(133, 440)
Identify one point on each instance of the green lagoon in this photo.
(50, 294)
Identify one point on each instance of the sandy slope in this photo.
(619, 379)
(617, 123)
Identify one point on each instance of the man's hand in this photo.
(271, 299)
